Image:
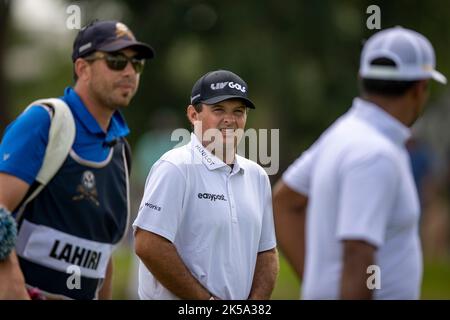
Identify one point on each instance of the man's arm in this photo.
(12, 191)
(162, 259)
(266, 272)
(289, 213)
(358, 255)
(105, 292)
(368, 190)
(12, 282)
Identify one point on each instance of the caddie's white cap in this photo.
(411, 52)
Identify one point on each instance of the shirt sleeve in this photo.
(23, 146)
(368, 190)
(298, 175)
(267, 240)
(161, 208)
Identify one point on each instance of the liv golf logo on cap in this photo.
(232, 85)
(219, 85)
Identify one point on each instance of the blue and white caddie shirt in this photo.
(71, 227)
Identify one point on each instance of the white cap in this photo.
(411, 52)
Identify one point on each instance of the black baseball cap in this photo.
(108, 36)
(220, 85)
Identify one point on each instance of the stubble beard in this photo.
(106, 97)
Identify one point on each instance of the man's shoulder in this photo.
(354, 133)
(366, 146)
(36, 113)
(178, 156)
(172, 164)
(35, 118)
(24, 143)
(352, 142)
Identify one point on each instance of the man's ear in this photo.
(421, 88)
(191, 114)
(82, 69)
(426, 84)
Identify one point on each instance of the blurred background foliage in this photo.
(300, 59)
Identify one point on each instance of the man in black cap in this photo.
(205, 227)
(66, 233)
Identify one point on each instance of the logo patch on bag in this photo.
(87, 190)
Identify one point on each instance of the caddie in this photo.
(66, 233)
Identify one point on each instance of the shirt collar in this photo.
(382, 121)
(210, 161)
(117, 127)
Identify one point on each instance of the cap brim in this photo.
(439, 77)
(217, 99)
(143, 50)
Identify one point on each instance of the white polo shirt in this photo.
(218, 218)
(359, 184)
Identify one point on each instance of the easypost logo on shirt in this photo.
(211, 197)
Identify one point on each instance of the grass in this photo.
(436, 278)
(122, 274)
(287, 286)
